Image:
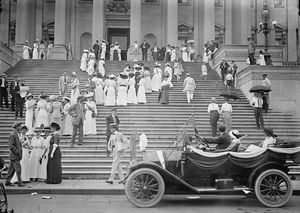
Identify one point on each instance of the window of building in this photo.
(218, 3)
(280, 35)
(151, 1)
(278, 3)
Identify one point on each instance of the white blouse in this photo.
(226, 107)
(213, 106)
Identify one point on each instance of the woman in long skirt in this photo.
(26, 49)
(148, 88)
(101, 67)
(110, 91)
(122, 85)
(83, 64)
(131, 95)
(91, 66)
(74, 83)
(67, 122)
(177, 69)
(29, 105)
(89, 123)
(156, 79)
(165, 89)
(36, 154)
(56, 109)
(184, 53)
(99, 93)
(42, 112)
(213, 110)
(141, 96)
(226, 111)
(54, 169)
(35, 54)
(45, 152)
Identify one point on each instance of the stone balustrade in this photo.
(8, 57)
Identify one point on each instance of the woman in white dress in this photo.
(204, 70)
(103, 49)
(131, 95)
(261, 59)
(184, 53)
(91, 66)
(42, 53)
(36, 154)
(41, 112)
(122, 85)
(148, 88)
(156, 79)
(83, 60)
(67, 122)
(99, 93)
(173, 53)
(74, 83)
(89, 123)
(29, 105)
(110, 91)
(45, 150)
(49, 48)
(25, 162)
(101, 67)
(91, 54)
(177, 70)
(141, 96)
(55, 109)
(35, 54)
(26, 49)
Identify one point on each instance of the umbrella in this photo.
(230, 95)
(190, 41)
(260, 88)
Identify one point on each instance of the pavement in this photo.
(87, 187)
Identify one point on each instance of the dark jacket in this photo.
(5, 84)
(145, 47)
(224, 66)
(223, 141)
(15, 146)
(12, 88)
(18, 97)
(109, 121)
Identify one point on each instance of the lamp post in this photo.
(265, 28)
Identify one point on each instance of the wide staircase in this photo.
(159, 122)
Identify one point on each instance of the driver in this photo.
(223, 141)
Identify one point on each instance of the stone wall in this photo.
(285, 81)
(7, 58)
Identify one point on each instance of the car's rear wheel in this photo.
(273, 188)
(144, 188)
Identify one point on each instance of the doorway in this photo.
(121, 35)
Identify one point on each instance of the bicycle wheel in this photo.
(3, 199)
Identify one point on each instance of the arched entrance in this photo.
(85, 41)
(151, 39)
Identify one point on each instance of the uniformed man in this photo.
(117, 145)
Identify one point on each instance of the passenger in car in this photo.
(223, 141)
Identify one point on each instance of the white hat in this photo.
(53, 97)
(90, 95)
(30, 132)
(234, 134)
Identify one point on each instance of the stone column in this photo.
(59, 50)
(228, 21)
(39, 20)
(172, 22)
(98, 20)
(292, 21)
(21, 26)
(135, 21)
(198, 24)
(4, 23)
(209, 20)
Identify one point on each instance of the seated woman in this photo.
(270, 139)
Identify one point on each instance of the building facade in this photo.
(160, 22)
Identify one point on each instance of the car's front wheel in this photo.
(144, 188)
(273, 188)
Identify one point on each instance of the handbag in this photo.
(94, 114)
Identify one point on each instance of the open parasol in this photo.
(230, 95)
(260, 88)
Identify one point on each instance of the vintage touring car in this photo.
(189, 170)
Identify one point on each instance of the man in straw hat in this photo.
(117, 144)
(15, 156)
(77, 112)
(3, 91)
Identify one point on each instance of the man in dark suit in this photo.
(145, 46)
(77, 111)
(15, 147)
(96, 48)
(111, 119)
(19, 99)
(224, 69)
(12, 92)
(223, 141)
(3, 91)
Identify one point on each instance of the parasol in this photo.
(230, 95)
(260, 88)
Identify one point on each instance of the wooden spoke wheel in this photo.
(3, 199)
(273, 188)
(144, 188)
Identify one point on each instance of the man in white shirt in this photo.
(189, 87)
(267, 83)
(226, 111)
(213, 110)
(257, 104)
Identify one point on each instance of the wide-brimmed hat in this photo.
(55, 125)
(112, 76)
(167, 64)
(74, 73)
(89, 95)
(85, 50)
(103, 40)
(37, 129)
(24, 127)
(80, 97)
(67, 99)
(29, 95)
(30, 132)
(47, 129)
(127, 64)
(141, 64)
(123, 76)
(53, 97)
(187, 74)
(16, 124)
(269, 132)
(87, 86)
(234, 134)
(116, 43)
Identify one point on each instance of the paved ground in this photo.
(119, 204)
(85, 187)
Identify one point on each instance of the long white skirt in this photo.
(29, 118)
(35, 165)
(122, 96)
(35, 54)
(141, 96)
(67, 125)
(131, 96)
(90, 70)
(110, 99)
(83, 65)
(99, 95)
(42, 118)
(26, 54)
(25, 167)
(74, 95)
(155, 82)
(89, 124)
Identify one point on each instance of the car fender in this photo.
(270, 165)
(170, 179)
